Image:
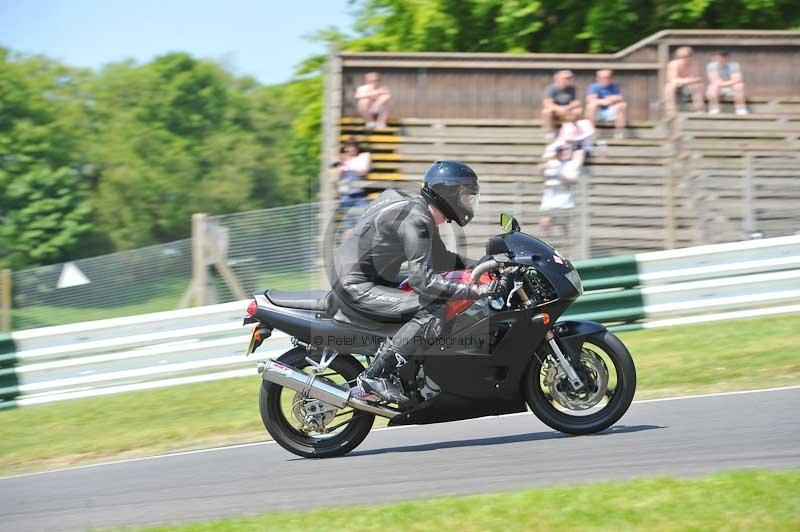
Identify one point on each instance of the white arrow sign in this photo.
(71, 275)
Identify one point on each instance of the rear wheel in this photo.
(309, 427)
(606, 368)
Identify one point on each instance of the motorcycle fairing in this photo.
(572, 333)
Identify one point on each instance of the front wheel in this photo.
(309, 427)
(606, 368)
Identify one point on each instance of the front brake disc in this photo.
(593, 367)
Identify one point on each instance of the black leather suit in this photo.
(394, 229)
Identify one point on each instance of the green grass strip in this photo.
(753, 500)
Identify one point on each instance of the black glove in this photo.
(491, 290)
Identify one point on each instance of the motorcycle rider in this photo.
(396, 228)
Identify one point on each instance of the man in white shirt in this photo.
(561, 173)
(724, 78)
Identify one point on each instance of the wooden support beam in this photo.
(199, 263)
(224, 270)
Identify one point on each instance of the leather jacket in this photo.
(396, 228)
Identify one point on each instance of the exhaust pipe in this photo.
(309, 386)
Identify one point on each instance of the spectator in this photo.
(724, 78)
(353, 166)
(604, 102)
(560, 175)
(682, 78)
(576, 133)
(559, 99)
(372, 100)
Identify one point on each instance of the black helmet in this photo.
(452, 187)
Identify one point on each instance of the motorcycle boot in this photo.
(381, 378)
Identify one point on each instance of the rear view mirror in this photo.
(508, 222)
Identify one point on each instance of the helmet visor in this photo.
(468, 199)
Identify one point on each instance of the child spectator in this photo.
(560, 175)
(682, 77)
(559, 99)
(604, 101)
(724, 78)
(372, 101)
(576, 133)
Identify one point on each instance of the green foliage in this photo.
(44, 206)
(548, 25)
(133, 150)
(304, 141)
(49, 216)
(179, 136)
(122, 158)
(731, 500)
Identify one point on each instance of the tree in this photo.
(52, 214)
(181, 135)
(548, 25)
(44, 206)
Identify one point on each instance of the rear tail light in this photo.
(249, 318)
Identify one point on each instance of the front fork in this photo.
(563, 362)
(564, 365)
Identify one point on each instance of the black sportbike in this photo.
(493, 357)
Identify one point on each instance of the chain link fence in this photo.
(270, 248)
(143, 280)
(284, 247)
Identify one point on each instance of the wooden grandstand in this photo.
(690, 180)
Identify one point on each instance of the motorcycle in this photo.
(492, 357)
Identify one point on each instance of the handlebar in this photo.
(484, 267)
(505, 281)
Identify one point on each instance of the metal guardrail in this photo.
(162, 349)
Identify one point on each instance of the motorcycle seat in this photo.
(362, 322)
(305, 300)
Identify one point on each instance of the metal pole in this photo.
(199, 263)
(5, 300)
(669, 185)
(584, 251)
(331, 118)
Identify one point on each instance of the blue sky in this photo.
(264, 38)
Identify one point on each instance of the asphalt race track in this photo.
(690, 436)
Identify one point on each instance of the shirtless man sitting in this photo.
(372, 100)
(683, 78)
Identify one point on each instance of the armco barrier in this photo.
(753, 273)
(706, 283)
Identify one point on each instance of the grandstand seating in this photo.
(740, 166)
(663, 171)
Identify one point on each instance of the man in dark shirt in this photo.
(604, 101)
(559, 99)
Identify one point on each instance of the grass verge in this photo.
(753, 500)
(736, 355)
